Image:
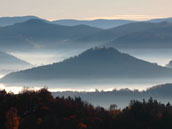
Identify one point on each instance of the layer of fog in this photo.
(159, 56)
(37, 58)
(91, 90)
(89, 85)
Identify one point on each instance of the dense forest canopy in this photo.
(40, 110)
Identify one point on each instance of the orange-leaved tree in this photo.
(12, 119)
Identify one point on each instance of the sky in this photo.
(87, 9)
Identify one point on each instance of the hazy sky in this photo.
(87, 9)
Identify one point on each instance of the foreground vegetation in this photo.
(39, 110)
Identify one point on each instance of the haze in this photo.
(87, 9)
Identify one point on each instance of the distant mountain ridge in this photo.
(169, 65)
(117, 32)
(9, 59)
(134, 35)
(94, 63)
(156, 35)
(9, 63)
(99, 23)
(37, 33)
(6, 21)
(106, 23)
(161, 20)
(122, 96)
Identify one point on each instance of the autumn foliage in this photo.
(12, 120)
(39, 110)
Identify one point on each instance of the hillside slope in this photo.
(94, 63)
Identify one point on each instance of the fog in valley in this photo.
(38, 42)
(159, 56)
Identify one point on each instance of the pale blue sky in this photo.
(87, 9)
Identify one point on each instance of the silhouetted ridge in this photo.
(147, 35)
(94, 64)
(121, 97)
(6, 21)
(161, 20)
(34, 21)
(100, 23)
(169, 65)
(101, 52)
(101, 56)
(40, 33)
(164, 89)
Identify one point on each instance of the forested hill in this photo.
(39, 110)
(95, 63)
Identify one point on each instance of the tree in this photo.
(113, 107)
(12, 119)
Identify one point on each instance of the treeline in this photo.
(40, 110)
(122, 97)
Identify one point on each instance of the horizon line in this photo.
(117, 17)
